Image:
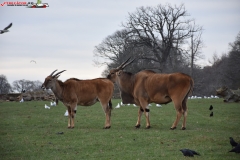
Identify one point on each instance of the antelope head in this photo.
(117, 71)
(51, 80)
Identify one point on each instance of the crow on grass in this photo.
(189, 153)
(211, 107)
(211, 114)
(232, 142)
(236, 149)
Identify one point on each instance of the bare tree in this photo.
(161, 28)
(27, 85)
(195, 46)
(5, 87)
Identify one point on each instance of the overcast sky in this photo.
(63, 35)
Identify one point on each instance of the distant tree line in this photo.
(18, 86)
(166, 40)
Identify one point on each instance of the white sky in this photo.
(63, 35)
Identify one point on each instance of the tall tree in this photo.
(162, 29)
(5, 87)
(27, 85)
(195, 46)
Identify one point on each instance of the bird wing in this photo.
(194, 152)
(10, 25)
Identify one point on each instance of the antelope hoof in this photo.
(107, 127)
(148, 127)
(69, 127)
(172, 128)
(137, 126)
(183, 128)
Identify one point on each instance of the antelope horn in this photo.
(128, 63)
(121, 66)
(53, 72)
(58, 73)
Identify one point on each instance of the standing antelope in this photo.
(147, 87)
(75, 92)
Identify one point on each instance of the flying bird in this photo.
(189, 153)
(232, 142)
(211, 114)
(6, 29)
(236, 149)
(211, 107)
(33, 61)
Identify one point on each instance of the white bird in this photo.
(122, 104)
(134, 105)
(66, 113)
(118, 106)
(21, 100)
(129, 104)
(158, 105)
(6, 29)
(149, 105)
(53, 103)
(47, 107)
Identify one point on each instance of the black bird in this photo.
(194, 152)
(232, 142)
(211, 107)
(189, 153)
(211, 114)
(236, 149)
(6, 29)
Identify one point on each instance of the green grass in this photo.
(28, 131)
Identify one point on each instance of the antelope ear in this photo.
(56, 77)
(119, 72)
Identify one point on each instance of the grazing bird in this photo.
(6, 29)
(236, 149)
(66, 113)
(189, 153)
(232, 142)
(211, 107)
(158, 105)
(211, 114)
(47, 107)
(118, 106)
(122, 104)
(21, 100)
(53, 103)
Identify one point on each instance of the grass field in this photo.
(29, 131)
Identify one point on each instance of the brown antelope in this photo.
(147, 87)
(75, 92)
